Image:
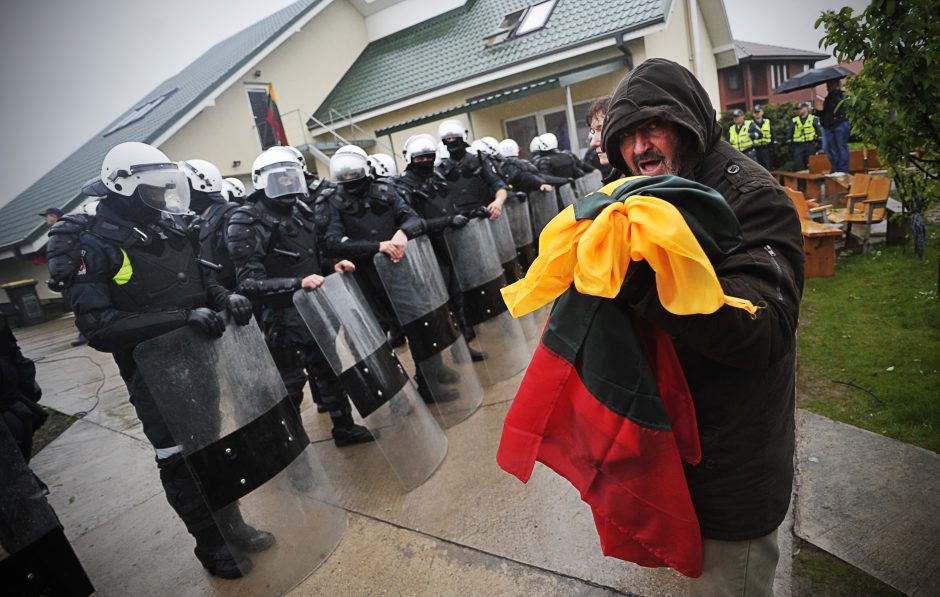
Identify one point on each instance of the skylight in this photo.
(536, 17)
(521, 22)
(139, 112)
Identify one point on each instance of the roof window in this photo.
(521, 22)
(139, 112)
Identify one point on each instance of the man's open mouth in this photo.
(650, 166)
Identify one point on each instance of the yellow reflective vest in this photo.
(804, 132)
(765, 131)
(740, 140)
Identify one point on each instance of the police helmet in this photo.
(137, 168)
(203, 176)
(508, 148)
(347, 166)
(383, 165)
(233, 189)
(451, 128)
(419, 145)
(278, 173)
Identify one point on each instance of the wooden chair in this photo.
(859, 157)
(819, 239)
(858, 190)
(871, 210)
(808, 210)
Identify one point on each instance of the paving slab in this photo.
(871, 501)
(470, 501)
(95, 474)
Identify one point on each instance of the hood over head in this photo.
(660, 88)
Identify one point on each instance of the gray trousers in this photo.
(737, 568)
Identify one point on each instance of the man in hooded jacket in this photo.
(740, 370)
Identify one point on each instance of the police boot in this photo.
(240, 534)
(447, 375)
(183, 496)
(347, 433)
(476, 355)
(396, 337)
(443, 395)
(219, 561)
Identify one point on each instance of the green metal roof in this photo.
(60, 187)
(450, 48)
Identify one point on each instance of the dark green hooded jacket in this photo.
(741, 371)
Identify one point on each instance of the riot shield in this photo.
(480, 275)
(520, 223)
(511, 270)
(419, 299)
(543, 207)
(565, 195)
(588, 183)
(340, 320)
(35, 556)
(241, 438)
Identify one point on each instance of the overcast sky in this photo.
(69, 67)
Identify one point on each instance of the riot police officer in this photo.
(212, 216)
(473, 180)
(133, 274)
(276, 249)
(521, 174)
(366, 217)
(549, 160)
(233, 190)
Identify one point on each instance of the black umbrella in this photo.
(813, 77)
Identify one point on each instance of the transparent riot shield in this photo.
(35, 556)
(588, 183)
(241, 438)
(340, 320)
(506, 250)
(543, 207)
(419, 298)
(520, 222)
(566, 195)
(480, 275)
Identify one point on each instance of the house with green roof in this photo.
(373, 72)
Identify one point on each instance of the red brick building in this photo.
(759, 69)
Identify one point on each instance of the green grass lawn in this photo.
(869, 344)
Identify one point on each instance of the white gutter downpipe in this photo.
(696, 38)
(572, 125)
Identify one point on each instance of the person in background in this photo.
(805, 132)
(763, 146)
(742, 135)
(836, 127)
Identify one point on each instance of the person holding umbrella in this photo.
(836, 127)
(804, 131)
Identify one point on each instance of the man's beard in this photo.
(669, 166)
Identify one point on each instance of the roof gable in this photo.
(60, 187)
(450, 48)
(748, 50)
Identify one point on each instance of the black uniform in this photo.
(472, 181)
(132, 276)
(212, 226)
(522, 175)
(274, 245)
(562, 164)
(358, 222)
(19, 392)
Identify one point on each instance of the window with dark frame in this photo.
(521, 22)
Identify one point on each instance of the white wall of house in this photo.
(303, 70)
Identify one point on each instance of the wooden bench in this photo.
(865, 210)
(815, 184)
(819, 239)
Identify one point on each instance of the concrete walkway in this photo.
(471, 529)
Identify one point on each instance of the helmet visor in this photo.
(164, 189)
(284, 179)
(347, 167)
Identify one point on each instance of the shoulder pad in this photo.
(71, 224)
(245, 214)
(323, 194)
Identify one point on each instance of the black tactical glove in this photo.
(521, 197)
(239, 308)
(207, 321)
(459, 221)
(480, 213)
